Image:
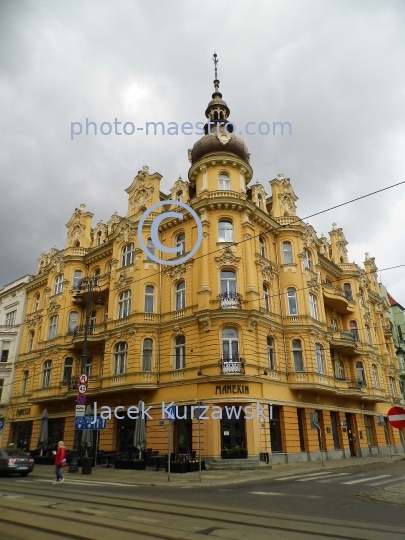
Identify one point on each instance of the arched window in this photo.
(307, 259)
(347, 289)
(181, 243)
(391, 382)
(24, 382)
(77, 276)
(179, 195)
(228, 283)
(266, 297)
(47, 374)
(224, 182)
(99, 235)
(270, 353)
(31, 337)
(262, 246)
(260, 202)
(360, 376)
(225, 231)
(292, 301)
(354, 330)
(53, 327)
(147, 355)
(58, 287)
(230, 344)
(374, 372)
(180, 295)
(313, 308)
(338, 366)
(73, 321)
(319, 359)
(124, 304)
(93, 322)
(76, 244)
(120, 358)
(96, 275)
(297, 355)
(287, 253)
(150, 248)
(88, 366)
(127, 255)
(180, 352)
(67, 370)
(36, 303)
(149, 298)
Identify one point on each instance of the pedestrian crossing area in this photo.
(345, 478)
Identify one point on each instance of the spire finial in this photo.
(216, 81)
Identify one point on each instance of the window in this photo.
(333, 325)
(338, 366)
(5, 350)
(260, 202)
(347, 289)
(319, 359)
(292, 301)
(307, 259)
(353, 330)
(368, 423)
(230, 344)
(10, 318)
(150, 247)
(1, 387)
(225, 231)
(368, 334)
(36, 303)
(67, 370)
(276, 439)
(88, 366)
(262, 246)
(228, 283)
(334, 420)
(224, 182)
(77, 276)
(99, 234)
(46, 374)
(180, 352)
(181, 243)
(266, 297)
(24, 382)
(127, 255)
(58, 287)
(374, 373)
(93, 322)
(53, 327)
(149, 298)
(124, 304)
(360, 377)
(120, 358)
(96, 276)
(180, 295)
(391, 382)
(179, 195)
(73, 321)
(147, 355)
(313, 309)
(287, 253)
(31, 337)
(270, 353)
(297, 355)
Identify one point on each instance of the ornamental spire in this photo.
(216, 81)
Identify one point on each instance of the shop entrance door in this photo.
(350, 434)
(232, 431)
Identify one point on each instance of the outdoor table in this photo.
(159, 460)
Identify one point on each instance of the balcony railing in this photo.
(335, 290)
(232, 366)
(349, 336)
(230, 300)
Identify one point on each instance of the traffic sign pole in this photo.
(396, 417)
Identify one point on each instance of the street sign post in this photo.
(316, 425)
(83, 379)
(80, 410)
(81, 399)
(396, 417)
(86, 422)
(171, 417)
(199, 411)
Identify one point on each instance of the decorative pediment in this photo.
(126, 231)
(268, 269)
(176, 272)
(182, 186)
(54, 307)
(141, 196)
(112, 222)
(313, 284)
(227, 259)
(123, 280)
(57, 264)
(309, 237)
(33, 320)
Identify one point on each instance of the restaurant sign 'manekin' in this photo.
(232, 389)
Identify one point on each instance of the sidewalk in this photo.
(102, 475)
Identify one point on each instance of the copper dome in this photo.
(211, 143)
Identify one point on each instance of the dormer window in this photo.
(179, 196)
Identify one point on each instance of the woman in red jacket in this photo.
(60, 460)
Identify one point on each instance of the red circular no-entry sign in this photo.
(396, 417)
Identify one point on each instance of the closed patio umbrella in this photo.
(43, 431)
(87, 436)
(140, 432)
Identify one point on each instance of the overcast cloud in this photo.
(333, 69)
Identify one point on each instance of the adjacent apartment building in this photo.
(265, 324)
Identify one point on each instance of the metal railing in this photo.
(232, 366)
(230, 300)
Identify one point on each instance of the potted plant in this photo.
(192, 466)
(234, 453)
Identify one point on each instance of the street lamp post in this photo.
(88, 285)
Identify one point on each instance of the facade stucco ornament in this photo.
(315, 336)
(126, 232)
(58, 264)
(42, 262)
(223, 136)
(176, 272)
(268, 269)
(77, 231)
(178, 186)
(112, 223)
(252, 322)
(33, 320)
(227, 259)
(177, 331)
(123, 280)
(341, 249)
(141, 196)
(53, 307)
(206, 322)
(308, 238)
(313, 284)
(287, 198)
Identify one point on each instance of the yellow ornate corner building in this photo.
(265, 324)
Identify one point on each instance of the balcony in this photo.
(344, 342)
(373, 395)
(335, 298)
(230, 300)
(324, 384)
(95, 332)
(232, 367)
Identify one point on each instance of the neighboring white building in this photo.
(13, 301)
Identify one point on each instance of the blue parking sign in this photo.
(1, 423)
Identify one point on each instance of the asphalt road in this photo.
(303, 506)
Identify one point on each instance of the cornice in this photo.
(326, 264)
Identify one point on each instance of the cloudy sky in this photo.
(332, 68)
